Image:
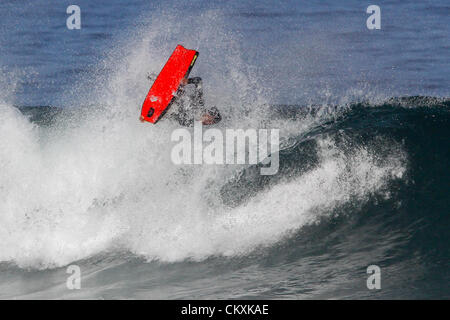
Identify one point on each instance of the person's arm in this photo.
(152, 76)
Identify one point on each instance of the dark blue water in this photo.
(364, 122)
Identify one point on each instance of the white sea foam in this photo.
(101, 180)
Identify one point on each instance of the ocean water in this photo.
(364, 119)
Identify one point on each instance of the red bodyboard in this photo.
(166, 85)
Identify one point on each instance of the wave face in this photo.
(358, 184)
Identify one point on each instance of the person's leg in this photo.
(195, 80)
(209, 115)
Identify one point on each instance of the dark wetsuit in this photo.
(189, 105)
